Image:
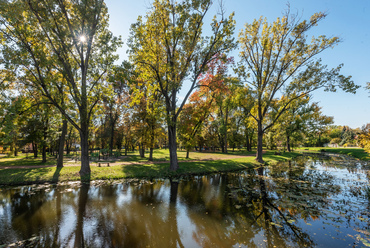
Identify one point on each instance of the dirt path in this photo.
(118, 163)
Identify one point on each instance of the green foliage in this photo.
(169, 47)
(278, 60)
(63, 50)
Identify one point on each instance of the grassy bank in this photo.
(354, 152)
(136, 170)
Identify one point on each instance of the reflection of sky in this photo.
(204, 213)
(341, 219)
(185, 226)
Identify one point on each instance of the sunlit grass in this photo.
(159, 155)
(24, 160)
(132, 170)
(354, 152)
(163, 155)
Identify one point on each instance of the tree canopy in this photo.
(278, 61)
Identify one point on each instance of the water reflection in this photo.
(304, 203)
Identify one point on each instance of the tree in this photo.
(63, 49)
(169, 46)
(277, 60)
(215, 90)
(364, 137)
(317, 126)
(299, 119)
(191, 119)
(147, 104)
(10, 123)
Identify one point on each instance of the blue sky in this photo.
(350, 20)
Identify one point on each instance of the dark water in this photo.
(309, 202)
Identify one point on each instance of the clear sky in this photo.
(350, 20)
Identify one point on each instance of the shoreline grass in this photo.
(358, 153)
(25, 176)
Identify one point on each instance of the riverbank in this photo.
(137, 169)
(355, 152)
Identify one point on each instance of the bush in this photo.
(95, 154)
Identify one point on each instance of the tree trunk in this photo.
(226, 119)
(111, 137)
(61, 144)
(259, 142)
(34, 147)
(141, 150)
(151, 144)
(68, 148)
(248, 143)
(172, 146)
(43, 153)
(288, 143)
(85, 165)
(45, 129)
(151, 154)
(222, 144)
(187, 153)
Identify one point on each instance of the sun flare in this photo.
(82, 38)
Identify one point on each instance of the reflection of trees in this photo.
(242, 205)
(264, 207)
(58, 207)
(35, 211)
(174, 239)
(79, 233)
(26, 205)
(147, 218)
(275, 220)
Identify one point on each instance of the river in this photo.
(307, 202)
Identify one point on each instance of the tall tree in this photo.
(277, 60)
(63, 48)
(169, 46)
(301, 118)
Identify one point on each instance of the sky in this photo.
(349, 20)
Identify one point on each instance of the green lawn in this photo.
(159, 155)
(120, 169)
(163, 155)
(135, 170)
(24, 160)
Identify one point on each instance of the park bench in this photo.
(101, 163)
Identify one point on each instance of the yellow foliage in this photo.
(365, 141)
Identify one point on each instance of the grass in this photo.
(25, 160)
(163, 155)
(138, 170)
(354, 152)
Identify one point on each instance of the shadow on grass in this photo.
(270, 155)
(146, 170)
(185, 168)
(22, 161)
(22, 176)
(241, 153)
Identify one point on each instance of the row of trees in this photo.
(60, 53)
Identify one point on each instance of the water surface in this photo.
(309, 202)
